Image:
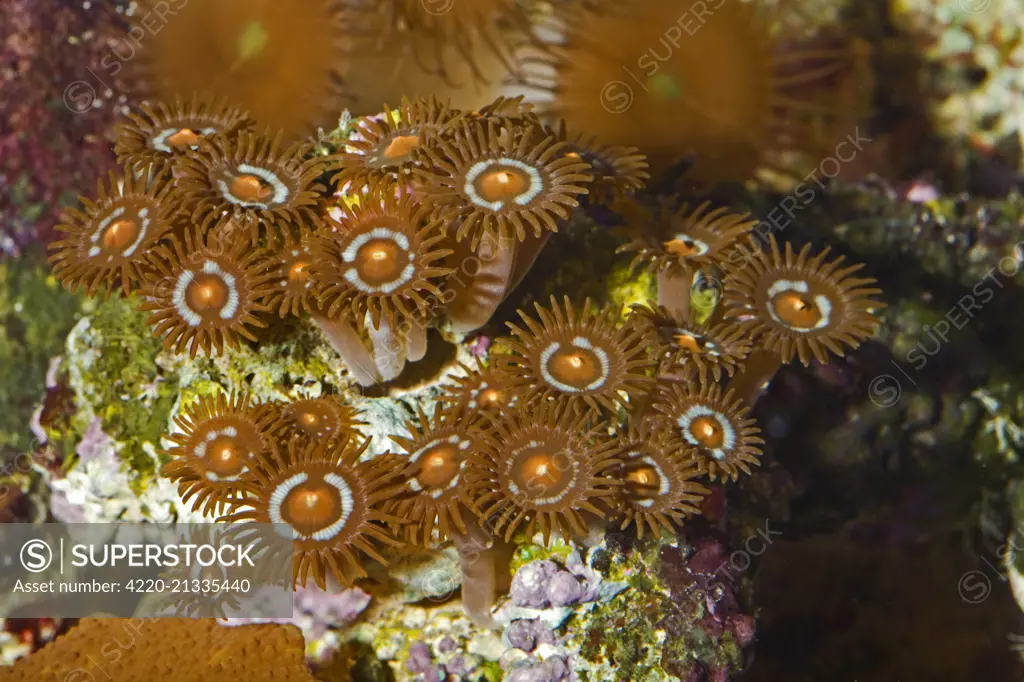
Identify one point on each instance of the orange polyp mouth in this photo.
(578, 368)
(491, 397)
(120, 234)
(643, 482)
(207, 293)
(185, 137)
(683, 247)
(310, 507)
(401, 147)
(708, 432)
(688, 342)
(438, 467)
(379, 261)
(503, 184)
(225, 457)
(250, 188)
(797, 310)
(298, 272)
(541, 474)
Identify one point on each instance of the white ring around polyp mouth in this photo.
(822, 302)
(326, 533)
(159, 141)
(523, 199)
(685, 421)
(201, 452)
(462, 444)
(351, 252)
(180, 299)
(584, 344)
(699, 247)
(514, 488)
(664, 488)
(144, 220)
(267, 176)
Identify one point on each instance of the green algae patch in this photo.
(647, 633)
(299, 365)
(490, 671)
(626, 288)
(527, 553)
(112, 363)
(36, 315)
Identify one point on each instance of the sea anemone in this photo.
(675, 244)
(712, 425)
(800, 306)
(248, 53)
(380, 258)
(679, 343)
(162, 133)
(657, 481)
(679, 241)
(509, 111)
(220, 439)
(481, 389)
(205, 292)
(252, 179)
(293, 294)
(618, 171)
(383, 146)
(794, 305)
(635, 74)
(443, 28)
(489, 180)
(320, 419)
(331, 503)
(542, 467)
(438, 450)
(108, 243)
(584, 359)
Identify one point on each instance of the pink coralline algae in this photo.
(705, 585)
(480, 347)
(47, 146)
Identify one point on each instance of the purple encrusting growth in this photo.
(542, 584)
(95, 444)
(458, 667)
(324, 609)
(316, 611)
(447, 645)
(553, 669)
(588, 579)
(420, 660)
(563, 589)
(527, 634)
(706, 580)
(480, 347)
(530, 584)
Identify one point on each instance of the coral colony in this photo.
(225, 222)
(246, 233)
